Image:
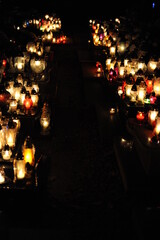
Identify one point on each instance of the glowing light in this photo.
(140, 116)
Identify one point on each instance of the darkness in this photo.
(76, 221)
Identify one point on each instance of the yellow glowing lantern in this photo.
(141, 93)
(128, 88)
(28, 151)
(38, 65)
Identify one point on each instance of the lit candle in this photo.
(140, 116)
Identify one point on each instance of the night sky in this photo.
(75, 13)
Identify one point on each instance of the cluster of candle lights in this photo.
(49, 25)
(137, 76)
(19, 96)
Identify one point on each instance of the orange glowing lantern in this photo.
(28, 151)
(149, 84)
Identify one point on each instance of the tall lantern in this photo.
(11, 133)
(141, 93)
(17, 90)
(34, 97)
(27, 101)
(133, 93)
(20, 167)
(22, 95)
(28, 151)
(45, 119)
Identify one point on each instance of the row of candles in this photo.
(19, 161)
(48, 25)
(137, 78)
(123, 49)
(21, 96)
(9, 130)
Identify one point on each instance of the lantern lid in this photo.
(33, 92)
(11, 124)
(23, 90)
(29, 84)
(19, 156)
(16, 84)
(134, 87)
(128, 80)
(153, 94)
(28, 142)
(6, 147)
(139, 80)
(28, 95)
